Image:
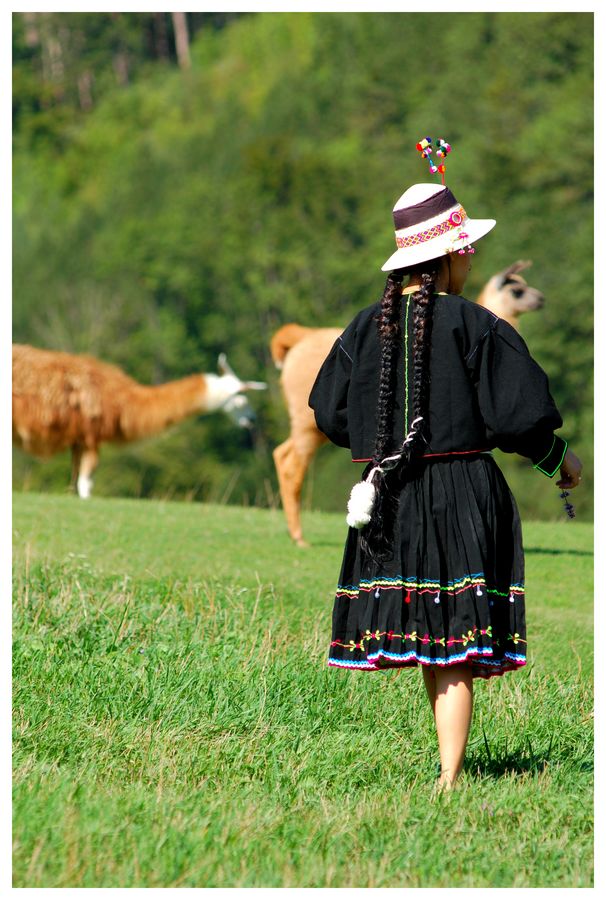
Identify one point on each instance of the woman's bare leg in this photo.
(453, 709)
(430, 686)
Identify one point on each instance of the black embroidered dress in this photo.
(453, 589)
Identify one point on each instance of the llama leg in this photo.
(291, 472)
(76, 459)
(88, 464)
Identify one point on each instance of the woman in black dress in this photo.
(422, 386)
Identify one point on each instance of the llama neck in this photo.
(514, 321)
(483, 298)
(493, 304)
(151, 409)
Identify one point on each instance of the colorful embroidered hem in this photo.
(483, 665)
(491, 648)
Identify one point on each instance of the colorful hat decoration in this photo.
(429, 221)
(425, 148)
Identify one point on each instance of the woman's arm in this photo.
(328, 397)
(514, 399)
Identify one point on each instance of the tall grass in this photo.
(176, 724)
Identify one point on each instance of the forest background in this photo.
(184, 184)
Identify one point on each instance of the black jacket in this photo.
(485, 391)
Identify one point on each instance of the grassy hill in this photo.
(176, 724)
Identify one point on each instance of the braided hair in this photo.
(375, 536)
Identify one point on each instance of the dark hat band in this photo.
(428, 209)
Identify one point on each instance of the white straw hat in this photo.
(430, 222)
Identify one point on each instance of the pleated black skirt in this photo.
(452, 591)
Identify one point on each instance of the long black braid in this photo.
(388, 323)
(375, 537)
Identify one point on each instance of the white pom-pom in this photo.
(360, 504)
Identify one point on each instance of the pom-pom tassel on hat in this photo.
(443, 148)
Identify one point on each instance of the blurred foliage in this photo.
(163, 215)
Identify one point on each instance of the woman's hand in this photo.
(570, 471)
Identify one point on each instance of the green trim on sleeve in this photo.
(536, 465)
(550, 464)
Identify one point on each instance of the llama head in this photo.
(512, 293)
(226, 370)
(222, 390)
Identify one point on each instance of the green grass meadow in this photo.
(176, 725)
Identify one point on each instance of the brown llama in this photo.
(67, 401)
(299, 352)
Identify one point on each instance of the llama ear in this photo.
(224, 367)
(516, 267)
(513, 269)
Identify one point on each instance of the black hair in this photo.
(375, 536)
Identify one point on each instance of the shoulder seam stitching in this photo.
(488, 330)
(344, 350)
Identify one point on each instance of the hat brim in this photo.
(439, 246)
